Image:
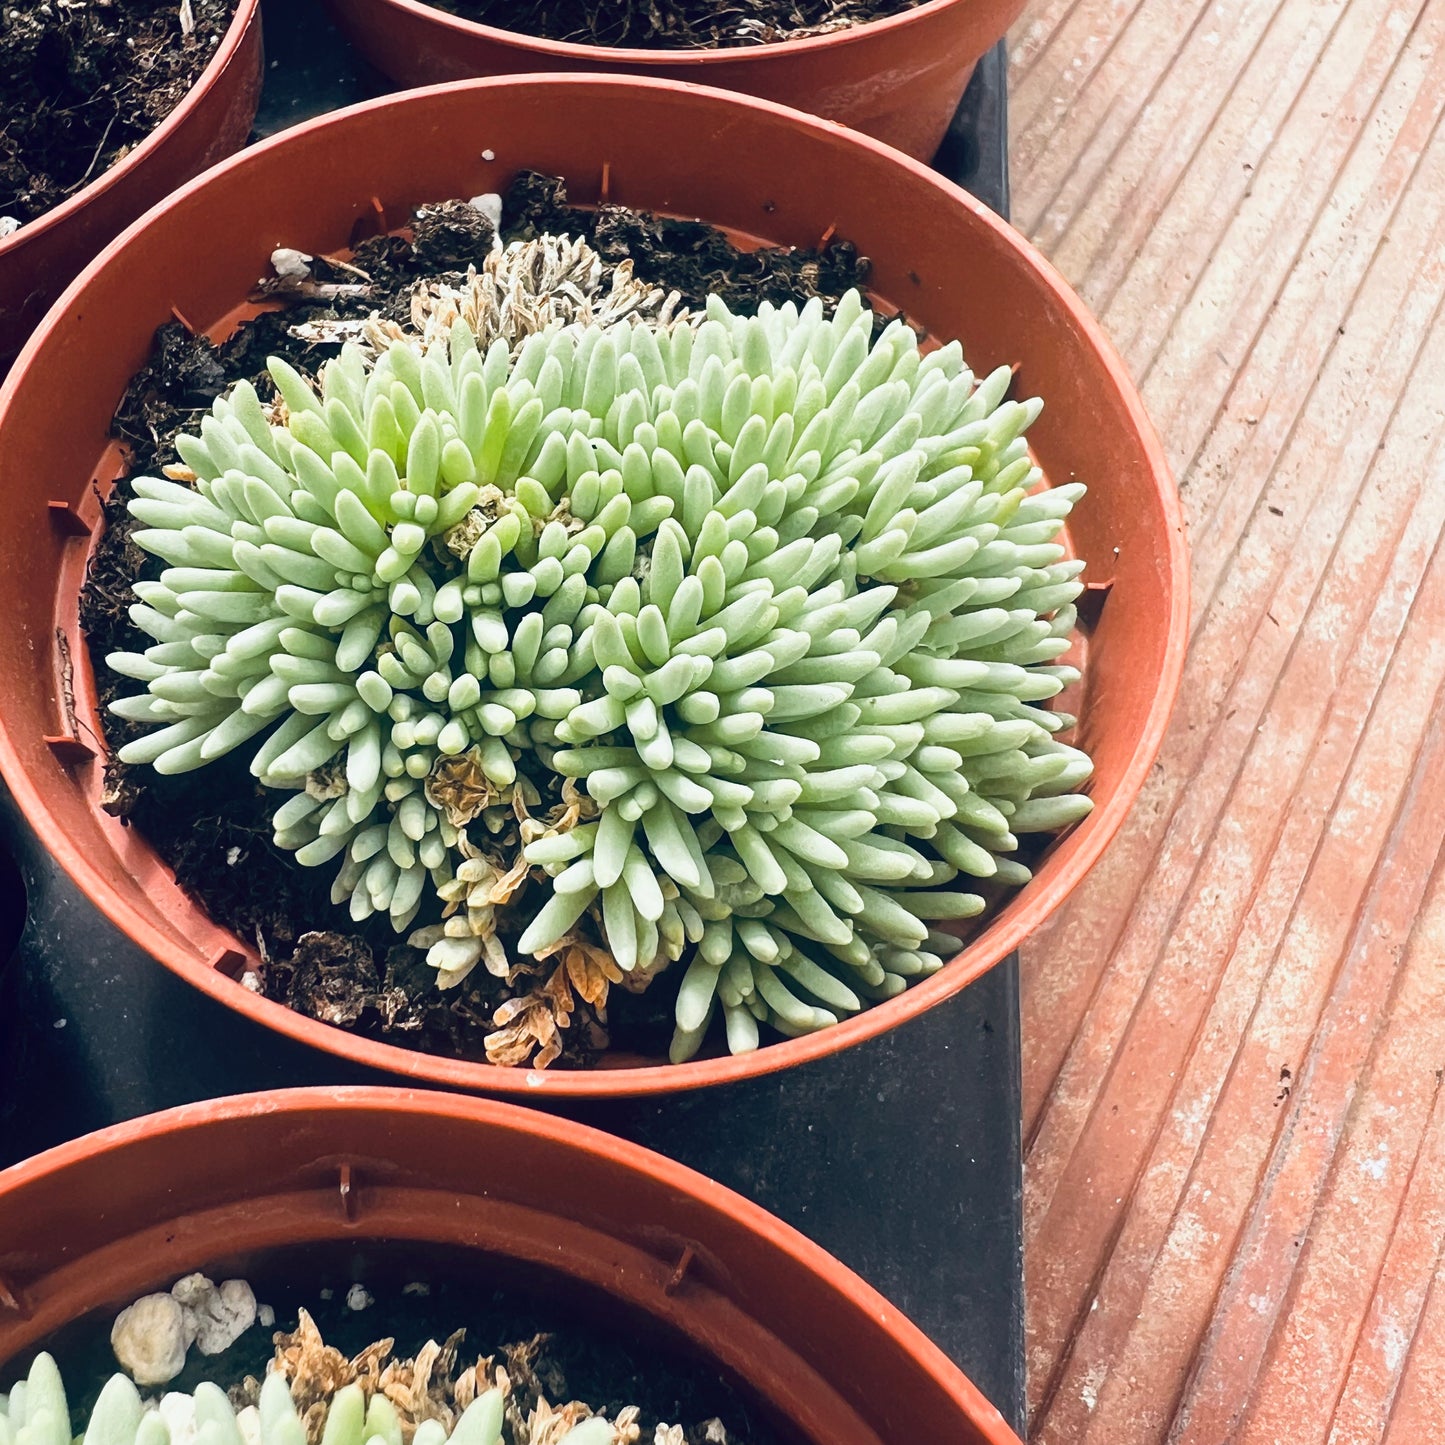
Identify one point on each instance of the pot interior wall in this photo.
(760, 172)
(211, 121)
(611, 1353)
(571, 1211)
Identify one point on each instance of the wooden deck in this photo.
(1234, 1036)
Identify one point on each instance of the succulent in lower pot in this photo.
(187, 1377)
(626, 638)
(477, 1409)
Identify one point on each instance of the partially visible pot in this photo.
(97, 1222)
(899, 78)
(755, 168)
(39, 260)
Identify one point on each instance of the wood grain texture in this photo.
(1234, 1034)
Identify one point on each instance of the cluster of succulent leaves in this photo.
(36, 1413)
(750, 623)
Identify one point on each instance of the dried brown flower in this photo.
(315, 1370)
(327, 782)
(429, 1387)
(459, 787)
(590, 969)
(575, 807)
(531, 285)
(367, 1367)
(547, 1425)
(536, 1020)
(525, 1025)
(422, 1389)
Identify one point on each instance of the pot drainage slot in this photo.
(13, 1298)
(1090, 604)
(66, 520)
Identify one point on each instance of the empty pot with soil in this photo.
(894, 69)
(370, 1263)
(498, 702)
(107, 108)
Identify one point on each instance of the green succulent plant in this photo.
(36, 1413)
(749, 623)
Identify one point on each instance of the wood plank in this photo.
(1207, 968)
(1415, 1410)
(1299, 350)
(1186, 367)
(1197, 1220)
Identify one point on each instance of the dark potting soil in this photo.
(674, 24)
(213, 827)
(591, 1348)
(82, 84)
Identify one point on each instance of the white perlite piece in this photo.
(150, 1340)
(8, 226)
(219, 1316)
(358, 1297)
(151, 1337)
(286, 261)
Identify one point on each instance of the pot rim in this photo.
(1011, 926)
(644, 59)
(245, 16)
(679, 1181)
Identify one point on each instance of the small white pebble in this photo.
(251, 980)
(150, 1340)
(216, 1317)
(325, 1293)
(286, 261)
(418, 1287)
(489, 155)
(61, 1023)
(8, 226)
(265, 1316)
(231, 1315)
(233, 855)
(358, 1297)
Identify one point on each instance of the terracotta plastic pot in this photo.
(898, 79)
(756, 168)
(214, 119)
(96, 1223)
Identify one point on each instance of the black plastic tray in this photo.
(902, 1156)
